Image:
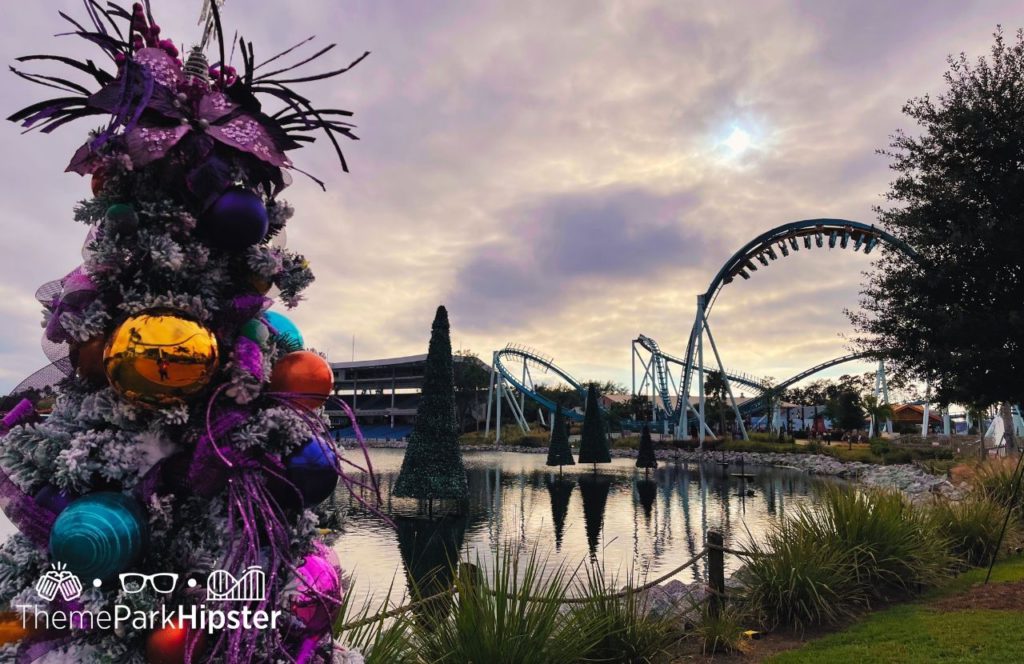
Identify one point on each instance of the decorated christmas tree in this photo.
(559, 451)
(432, 467)
(593, 440)
(645, 457)
(166, 505)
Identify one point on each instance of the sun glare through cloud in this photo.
(738, 142)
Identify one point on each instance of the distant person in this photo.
(162, 366)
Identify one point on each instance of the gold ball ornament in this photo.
(160, 357)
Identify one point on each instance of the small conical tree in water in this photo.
(432, 467)
(559, 452)
(594, 440)
(645, 457)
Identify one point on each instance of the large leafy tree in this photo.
(594, 439)
(846, 410)
(471, 378)
(717, 392)
(955, 317)
(432, 466)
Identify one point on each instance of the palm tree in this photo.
(877, 411)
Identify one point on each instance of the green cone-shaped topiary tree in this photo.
(594, 441)
(432, 467)
(559, 452)
(645, 457)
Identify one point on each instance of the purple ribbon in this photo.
(77, 292)
(28, 517)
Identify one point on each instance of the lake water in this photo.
(616, 517)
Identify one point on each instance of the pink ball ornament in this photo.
(316, 594)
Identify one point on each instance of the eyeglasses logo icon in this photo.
(59, 580)
(162, 582)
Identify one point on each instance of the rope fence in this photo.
(714, 551)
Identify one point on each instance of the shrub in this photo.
(972, 527)
(631, 632)
(896, 457)
(879, 446)
(762, 446)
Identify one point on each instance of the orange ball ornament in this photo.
(168, 645)
(87, 358)
(304, 374)
(98, 181)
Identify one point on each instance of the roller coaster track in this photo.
(781, 240)
(531, 357)
(661, 361)
(771, 245)
(757, 403)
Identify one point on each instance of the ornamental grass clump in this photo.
(995, 479)
(720, 632)
(493, 622)
(892, 547)
(971, 527)
(380, 641)
(633, 634)
(796, 581)
(829, 560)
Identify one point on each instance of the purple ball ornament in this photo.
(316, 594)
(313, 471)
(54, 499)
(236, 220)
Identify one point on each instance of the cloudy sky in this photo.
(560, 173)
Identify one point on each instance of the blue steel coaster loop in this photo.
(528, 356)
(785, 238)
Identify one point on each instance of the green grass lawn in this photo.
(912, 633)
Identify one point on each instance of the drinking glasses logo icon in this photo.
(162, 582)
(251, 586)
(59, 580)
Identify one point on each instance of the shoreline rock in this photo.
(915, 482)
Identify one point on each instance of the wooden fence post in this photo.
(716, 571)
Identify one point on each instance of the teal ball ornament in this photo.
(286, 333)
(100, 535)
(122, 220)
(313, 471)
(256, 330)
(236, 220)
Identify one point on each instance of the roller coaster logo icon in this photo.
(251, 586)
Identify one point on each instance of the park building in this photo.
(385, 393)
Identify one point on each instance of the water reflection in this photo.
(628, 523)
(429, 550)
(560, 491)
(594, 489)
